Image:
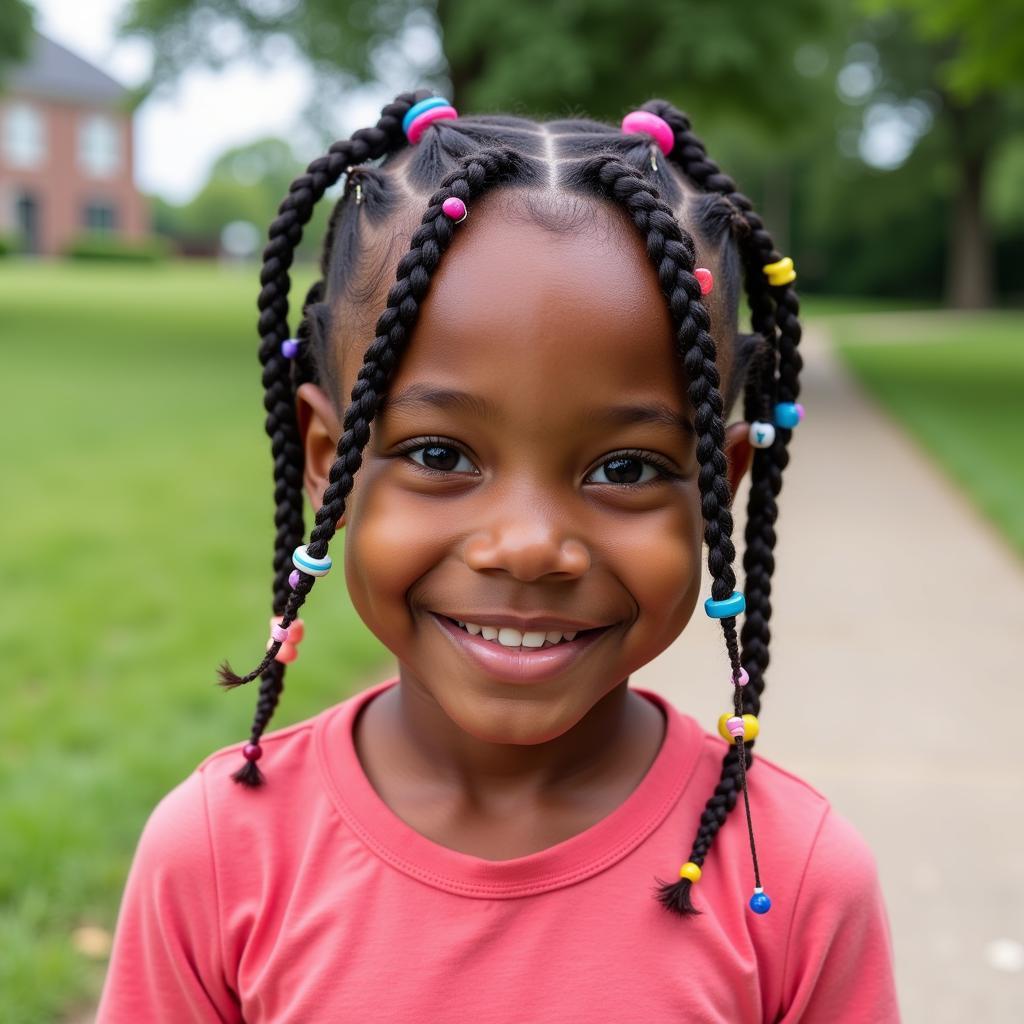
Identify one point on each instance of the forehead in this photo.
(543, 320)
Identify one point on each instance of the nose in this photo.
(528, 546)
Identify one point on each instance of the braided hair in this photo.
(465, 158)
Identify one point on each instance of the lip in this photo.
(518, 665)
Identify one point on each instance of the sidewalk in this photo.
(897, 609)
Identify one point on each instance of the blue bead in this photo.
(732, 605)
(759, 903)
(787, 415)
(417, 108)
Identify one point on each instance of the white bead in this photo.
(761, 434)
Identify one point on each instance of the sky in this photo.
(179, 134)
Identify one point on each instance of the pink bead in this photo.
(744, 678)
(800, 410)
(650, 124)
(706, 279)
(252, 752)
(287, 654)
(426, 119)
(455, 208)
(293, 578)
(278, 633)
(735, 726)
(296, 631)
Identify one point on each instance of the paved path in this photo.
(899, 609)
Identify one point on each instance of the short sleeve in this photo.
(839, 957)
(166, 965)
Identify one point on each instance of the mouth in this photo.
(516, 657)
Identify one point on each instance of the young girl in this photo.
(532, 451)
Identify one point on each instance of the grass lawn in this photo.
(137, 546)
(956, 381)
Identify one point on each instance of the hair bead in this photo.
(252, 752)
(455, 208)
(787, 415)
(293, 578)
(761, 434)
(290, 348)
(311, 566)
(705, 278)
(732, 605)
(278, 632)
(421, 121)
(731, 726)
(780, 273)
(691, 871)
(644, 122)
(759, 902)
(418, 108)
(742, 679)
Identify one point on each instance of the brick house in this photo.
(65, 153)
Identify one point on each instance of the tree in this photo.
(15, 33)
(549, 57)
(969, 56)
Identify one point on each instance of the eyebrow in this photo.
(420, 396)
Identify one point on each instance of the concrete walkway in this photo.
(899, 610)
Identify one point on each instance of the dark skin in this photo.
(549, 329)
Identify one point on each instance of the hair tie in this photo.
(423, 114)
(644, 122)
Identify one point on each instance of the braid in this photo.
(279, 397)
(774, 317)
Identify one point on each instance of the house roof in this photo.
(52, 72)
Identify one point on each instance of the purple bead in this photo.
(800, 411)
(252, 752)
(455, 208)
(290, 348)
(293, 578)
(744, 678)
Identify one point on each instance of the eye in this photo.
(628, 468)
(439, 456)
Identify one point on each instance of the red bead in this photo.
(252, 752)
(705, 279)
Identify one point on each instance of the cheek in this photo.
(389, 545)
(661, 567)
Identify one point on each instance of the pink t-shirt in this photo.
(309, 900)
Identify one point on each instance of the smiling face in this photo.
(537, 493)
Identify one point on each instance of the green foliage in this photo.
(16, 18)
(9, 244)
(99, 246)
(138, 532)
(955, 382)
(982, 44)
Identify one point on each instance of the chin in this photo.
(526, 717)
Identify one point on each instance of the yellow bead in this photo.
(691, 871)
(781, 272)
(750, 728)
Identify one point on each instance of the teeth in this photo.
(508, 636)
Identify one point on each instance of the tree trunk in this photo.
(969, 284)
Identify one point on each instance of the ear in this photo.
(739, 453)
(319, 431)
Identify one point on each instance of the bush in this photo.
(9, 244)
(110, 247)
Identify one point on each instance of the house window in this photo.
(99, 146)
(24, 139)
(100, 216)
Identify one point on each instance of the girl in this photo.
(506, 831)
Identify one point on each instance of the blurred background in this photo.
(144, 147)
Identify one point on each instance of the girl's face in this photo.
(497, 477)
